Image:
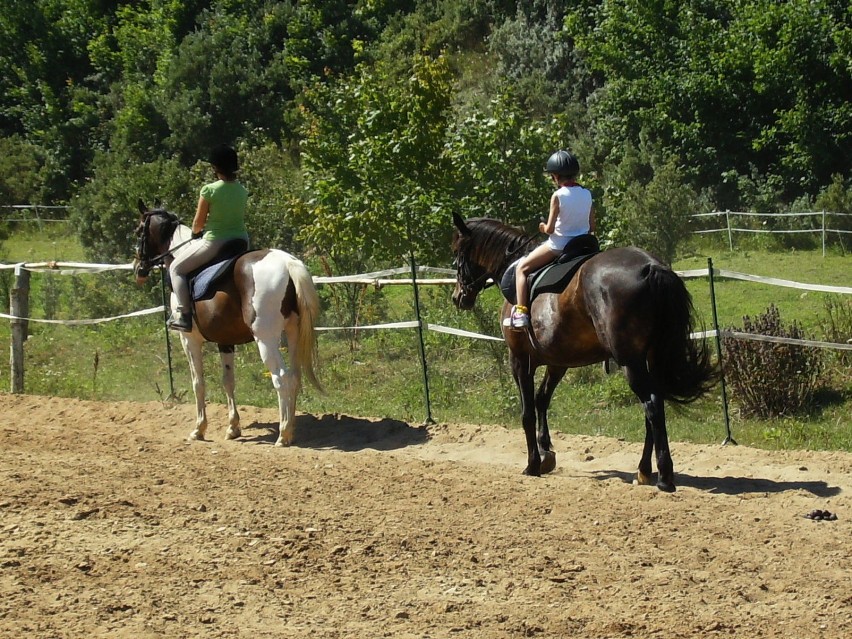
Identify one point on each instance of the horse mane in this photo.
(494, 243)
(168, 226)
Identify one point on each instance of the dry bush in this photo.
(767, 379)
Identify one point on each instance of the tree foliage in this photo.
(729, 85)
(356, 116)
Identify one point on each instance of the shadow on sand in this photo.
(342, 433)
(732, 485)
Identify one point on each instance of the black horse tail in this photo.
(681, 366)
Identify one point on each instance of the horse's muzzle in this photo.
(463, 301)
(141, 272)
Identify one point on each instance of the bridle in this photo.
(145, 263)
(470, 284)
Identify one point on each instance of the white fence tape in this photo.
(382, 278)
(786, 283)
(410, 324)
(457, 331)
(82, 322)
(786, 340)
(68, 268)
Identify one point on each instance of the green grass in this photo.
(735, 298)
(380, 374)
(49, 241)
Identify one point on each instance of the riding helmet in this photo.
(563, 163)
(224, 158)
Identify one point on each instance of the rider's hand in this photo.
(196, 236)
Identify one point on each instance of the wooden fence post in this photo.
(19, 306)
(730, 235)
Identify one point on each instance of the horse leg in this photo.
(644, 476)
(548, 385)
(285, 384)
(192, 348)
(656, 436)
(525, 377)
(226, 355)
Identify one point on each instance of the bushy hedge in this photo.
(768, 379)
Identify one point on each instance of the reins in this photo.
(158, 260)
(161, 258)
(474, 284)
(522, 246)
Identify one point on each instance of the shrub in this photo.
(769, 379)
(837, 325)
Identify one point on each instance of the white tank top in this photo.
(575, 207)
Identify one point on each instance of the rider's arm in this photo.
(550, 227)
(200, 215)
(592, 221)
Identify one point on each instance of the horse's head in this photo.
(483, 249)
(153, 236)
(471, 275)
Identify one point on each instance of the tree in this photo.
(727, 85)
(649, 202)
(105, 212)
(372, 161)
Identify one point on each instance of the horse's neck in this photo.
(499, 268)
(182, 234)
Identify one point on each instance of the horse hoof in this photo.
(548, 462)
(530, 473)
(644, 480)
(195, 436)
(233, 433)
(666, 487)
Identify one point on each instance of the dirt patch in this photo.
(114, 526)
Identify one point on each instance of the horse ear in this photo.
(141, 206)
(460, 225)
(158, 203)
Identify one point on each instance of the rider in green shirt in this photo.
(219, 218)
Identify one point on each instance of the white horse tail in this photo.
(307, 361)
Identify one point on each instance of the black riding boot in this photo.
(180, 321)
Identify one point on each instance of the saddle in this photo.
(553, 277)
(203, 279)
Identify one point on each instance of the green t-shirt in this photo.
(226, 218)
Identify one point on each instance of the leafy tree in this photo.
(105, 212)
(22, 178)
(274, 183)
(43, 54)
(497, 158)
(649, 202)
(537, 59)
(372, 163)
(727, 85)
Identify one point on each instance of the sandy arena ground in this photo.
(113, 525)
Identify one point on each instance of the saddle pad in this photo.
(204, 280)
(553, 278)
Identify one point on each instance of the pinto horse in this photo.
(264, 293)
(622, 304)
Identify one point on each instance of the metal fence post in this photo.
(728, 437)
(166, 329)
(19, 307)
(420, 343)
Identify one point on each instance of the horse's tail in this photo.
(681, 365)
(306, 360)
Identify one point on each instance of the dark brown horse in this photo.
(622, 304)
(264, 294)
